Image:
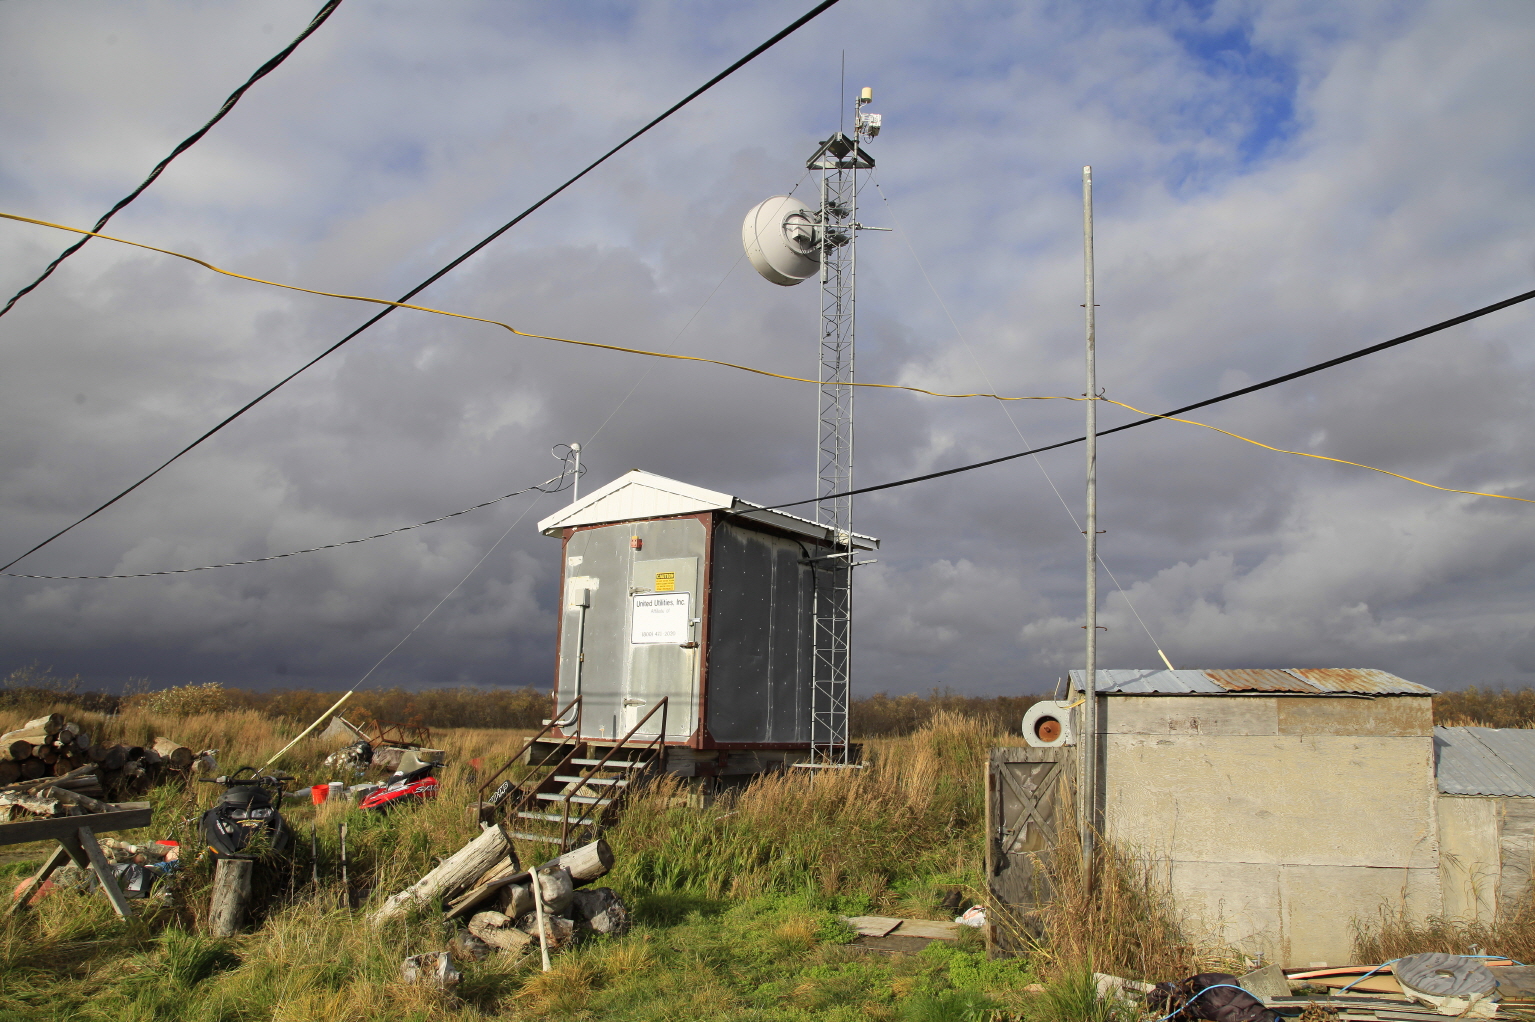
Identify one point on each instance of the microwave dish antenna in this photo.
(787, 241)
(782, 240)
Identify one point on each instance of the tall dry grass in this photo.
(909, 821)
(1393, 935)
(1124, 922)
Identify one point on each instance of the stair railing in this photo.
(560, 719)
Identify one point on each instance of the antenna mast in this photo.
(839, 160)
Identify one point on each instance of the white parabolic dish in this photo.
(780, 237)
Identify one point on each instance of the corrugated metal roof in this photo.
(1485, 761)
(1299, 680)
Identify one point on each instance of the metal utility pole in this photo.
(838, 160)
(1088, 746)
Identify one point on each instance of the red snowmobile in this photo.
(411, 783)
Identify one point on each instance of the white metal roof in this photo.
(639, 495)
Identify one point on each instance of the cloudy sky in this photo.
(1276, 183)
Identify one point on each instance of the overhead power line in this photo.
(1361, 353)
(186, 143)
(554, 484)
(772, 41)
(799, 379)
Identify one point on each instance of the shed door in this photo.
(664, 613)
(1029, 801)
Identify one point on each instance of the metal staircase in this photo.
(569, 794)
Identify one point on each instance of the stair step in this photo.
(613, 764)
(554, 818)
(585, 800)
(527, 836)
(592, 780)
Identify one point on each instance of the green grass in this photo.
(736, 911)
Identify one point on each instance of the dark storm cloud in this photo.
(1277, 183)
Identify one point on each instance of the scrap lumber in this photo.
(457, 872)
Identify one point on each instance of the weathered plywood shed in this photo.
(1281, 804)
(674, 591)
(1486, 819)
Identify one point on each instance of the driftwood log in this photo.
(458, 872)
(231, 894)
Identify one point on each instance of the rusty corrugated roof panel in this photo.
(1313, 681)
(1361, 680)
(1261, 680)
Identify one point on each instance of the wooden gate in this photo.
(1029, 798)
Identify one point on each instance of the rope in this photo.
(1319, 457)
(508, 326)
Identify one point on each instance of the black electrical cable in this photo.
(775, 39)
(1361, 353)
(186, 143)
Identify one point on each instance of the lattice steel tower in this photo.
(838, 162)
(788, 241)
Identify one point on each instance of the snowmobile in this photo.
(413, 782)
(250, 805)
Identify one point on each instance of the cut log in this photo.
(457, 872)
(555, 887)
(499, 931)
(231, 893)
(116, 756)
(434, 969)
(97, 753)
(48, 755)
(34, 737)
(51, 723)
(151, 758)
(587, 863)
(18, 749)
(33, 767)
(558, 929)
(69, 728)
(10, 771)
(601, 910)
(178, 756)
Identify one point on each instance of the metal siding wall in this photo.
(759, 629)
(607, 557)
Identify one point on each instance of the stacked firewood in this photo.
(508, 908)
(53, 747)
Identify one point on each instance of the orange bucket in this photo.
(319, 793)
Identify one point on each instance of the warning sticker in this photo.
(660, 617)
(666, 582)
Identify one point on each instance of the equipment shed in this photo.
(1486, 819)
(679, 593)
(1282, 804)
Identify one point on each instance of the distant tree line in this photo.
(877, 716)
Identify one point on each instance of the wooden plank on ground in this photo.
(127, 816)
(931, 929)
(872, 926)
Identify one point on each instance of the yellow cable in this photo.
(507, 326)
(1319, 457)
(731, 365)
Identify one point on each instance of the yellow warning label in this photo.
(666, 581)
